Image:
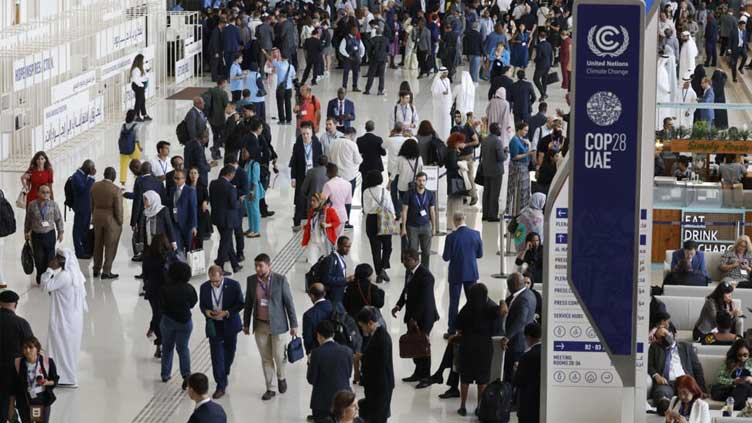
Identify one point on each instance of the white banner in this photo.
(126, 34)
(115, 67)
(73, 86)
(72, 117)
(191, 49)
(41, 66)
(183, 69)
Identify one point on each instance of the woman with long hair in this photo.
(688, 406)
(177, 299)
(735, 375)
(155, 260)
(320, 231)
(37, 174)
(532, 256)
(139, 81)
(720, 300)
(202, 201)
(475, 326)
(409, 164)
(375, 199)
(520, 42)
(425, 136)
(36, 390)
(454, 167)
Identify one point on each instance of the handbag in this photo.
(385, 220)
(27, 258)
(21, 200)
(411, 186)
(197, 260)
(415, 343)
(282, 87)
(295, 350)
(552, 78)
(456, 186)
(479, 175)
(36, 412)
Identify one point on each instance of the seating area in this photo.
(685, 310)
(712, 263)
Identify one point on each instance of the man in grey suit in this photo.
(663, 371)
(492, 158)
(269, 307)
(519, 310)
(195, 119)
(315, 179)
(329, 370)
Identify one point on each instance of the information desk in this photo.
(698, 211)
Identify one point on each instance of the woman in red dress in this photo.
(39, 173)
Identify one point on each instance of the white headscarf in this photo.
(155, 204)
(73, 269)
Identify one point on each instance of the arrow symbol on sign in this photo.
(560, 346)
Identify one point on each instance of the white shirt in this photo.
(343, 48)
(138, 77)
(160, 167)
(515, 295)
(375, 198)
(404, 114)
(540, 133)
(202, 402)
(405, 170)
(393, 146)
(676, 368)
(326, 140)
(344, 153)
(217, 296)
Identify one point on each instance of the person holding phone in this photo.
(735, 376)
(687, 406)
(736, 263)
(36, 377)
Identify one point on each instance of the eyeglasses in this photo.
(44, 192)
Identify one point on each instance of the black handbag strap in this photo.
(284, 81)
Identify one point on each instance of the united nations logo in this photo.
(604, 40)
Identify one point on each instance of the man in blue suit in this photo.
(182, 203)
(321, 310)
(82, 180)
(335, 277)
(223, 198)
(220, 300)
(231, 43)
(341, 109)
(690, 252)
(207, 411)
(328, 371)
(738, 47)
(462, 249)
(711, 39)
(243, 187)
(518, 311)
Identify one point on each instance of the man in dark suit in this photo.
(664, 371)
(329, 370)
(216, 51)
(537, 120)
(462, 249)
(207, 411)
(544, 59)
(220, 300)
(321, 310)
(223, 198)
(15, 330)
(244, 189)
(341, 109)
(184, 209)
(501, 81)
(738, 47)
(522, 96)
(231, 43)
(711, 39)
(335, 278)
(195, 119)
(371, 148)
(219, 99)
(377, 54)
(195, 156)
(420, 306)
(305, 153)
(177, 163)
(519, 311)
(690, 253)
(376, 368)
(528, 375)
(82, 179)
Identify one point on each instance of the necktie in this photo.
(408, 276)
(177, 194)
(341, 108)
(667, 366)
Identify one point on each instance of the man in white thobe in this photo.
(673, 80)
(466, 94)
(441, 89)
(687, 96)
(64, 282)
(688, 54)
(663, 92)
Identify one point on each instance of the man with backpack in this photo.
(128, 144)
(321, 310)
(334, 275)
(78, 187)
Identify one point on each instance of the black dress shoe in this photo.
(282, 386)
(462, 411)
(109, 276)
(432, 380)
(366, 93)
(412, 378)
(185, 384)
(237, 269)
(348, 226)
(219, 393)
(95, 274)
(139, 276)
(226, 273)
(355, 90)
(137, 258)
(450, 393)
(158, 352)
(84, 257)
(493, 219)
(384, 276)
(241, 258)
(268, 395)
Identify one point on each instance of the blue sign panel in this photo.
(604, 188)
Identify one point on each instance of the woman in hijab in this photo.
(64, 282)
(530, 220)
(320, 231)
(719, 88)
(499, 112)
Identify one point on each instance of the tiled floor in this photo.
(119, 379)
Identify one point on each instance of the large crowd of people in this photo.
(176, 207)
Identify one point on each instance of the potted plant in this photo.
(699, 130)
(734, 133)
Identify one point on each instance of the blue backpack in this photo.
(127, 140)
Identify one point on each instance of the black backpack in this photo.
(7, 218)
(315, 273)
(70, 193)
(438, 152)
(346, 331)
(127, 140)
(496, 402)
(182, 133)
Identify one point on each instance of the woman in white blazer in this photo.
(687, 406)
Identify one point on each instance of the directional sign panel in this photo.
(604, 184)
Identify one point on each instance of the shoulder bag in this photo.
(282, 87)
(21, 199)
(386, 220)
(415, 343)
(27, 258)
(412, 185)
